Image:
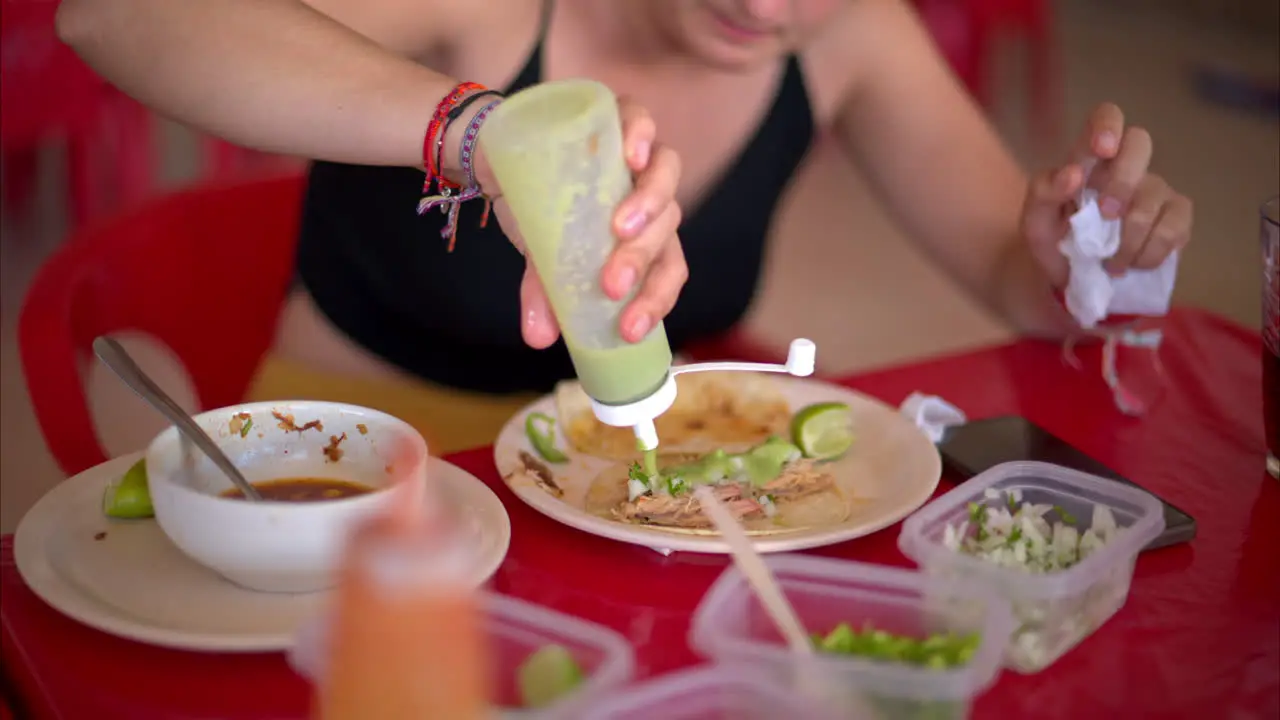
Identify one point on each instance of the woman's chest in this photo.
(710, 120)
(710, 126)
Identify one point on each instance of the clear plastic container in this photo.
(1053, 611)
(730, 625)
(517, 629)
(710, 692)
(556, 150)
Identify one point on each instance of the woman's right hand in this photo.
(648, 250)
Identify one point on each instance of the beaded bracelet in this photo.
(453, 114)
(467, 152)
(468, 158)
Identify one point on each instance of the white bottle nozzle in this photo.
(646, 435)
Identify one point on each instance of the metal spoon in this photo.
(118, 360)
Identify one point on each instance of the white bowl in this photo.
(278, 546)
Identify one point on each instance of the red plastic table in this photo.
(1198, 638)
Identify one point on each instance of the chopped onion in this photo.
(770, 508)
(636, 488)
(1039, 539)
(1017, 535)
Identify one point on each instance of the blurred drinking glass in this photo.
(1270, 237)
(406, 641)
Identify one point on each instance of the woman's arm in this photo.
(939, 166)
(285, 77)
(274, 75)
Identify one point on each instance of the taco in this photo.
(769, 488)
(712, 410)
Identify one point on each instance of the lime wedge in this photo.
(129, 496)
(547, 675)
(823, 431)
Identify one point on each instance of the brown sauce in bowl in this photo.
(302, 490)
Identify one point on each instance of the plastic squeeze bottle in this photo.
(556, 150)
(406, 640)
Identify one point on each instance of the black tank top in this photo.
(381, 274)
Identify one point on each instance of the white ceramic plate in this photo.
(125, 578)
(895, 470)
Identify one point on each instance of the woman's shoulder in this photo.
(831, 65)
(422, 29)
(857, 41)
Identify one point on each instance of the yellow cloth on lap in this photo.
(450, 420)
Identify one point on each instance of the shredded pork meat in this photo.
(685, 511)
(800, 479)
(541, 474)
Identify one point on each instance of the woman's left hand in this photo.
(1156, 219)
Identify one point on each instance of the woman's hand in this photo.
(648, 251)
(1156, 219)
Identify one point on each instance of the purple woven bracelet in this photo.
(469, 143)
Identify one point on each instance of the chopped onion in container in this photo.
(1041, 539)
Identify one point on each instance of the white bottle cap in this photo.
(639, 414)
(646, 435)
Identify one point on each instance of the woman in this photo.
(738, 89)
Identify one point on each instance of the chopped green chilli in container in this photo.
(939, 651)
(892, 643)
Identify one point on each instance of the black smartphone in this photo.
(975, 447)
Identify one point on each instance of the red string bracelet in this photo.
(434, 138)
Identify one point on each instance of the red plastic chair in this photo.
(48, 95)
(205, 271)
(967, 31)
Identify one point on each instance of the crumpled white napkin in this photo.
(932, 415)
(1091, 293)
